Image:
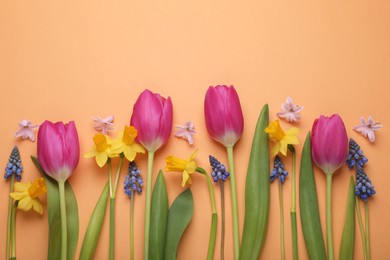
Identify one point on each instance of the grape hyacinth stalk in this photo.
(14, 171)
(220, 174)
(280, 173)
(225, 124)
(133, 185)
(363, 191)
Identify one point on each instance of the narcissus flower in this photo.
(27, 195)
(282, 139)
(58, 149)
(26, 130)
(186, 166)
(101, 150)
(125, 143)
(223, 114)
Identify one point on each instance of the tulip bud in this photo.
(152, 117)
(58, 149)
(224, 119)
(329, 143)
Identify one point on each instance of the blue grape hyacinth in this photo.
(133, 182)
(355, 155)
(279, 171)
(364, 188)
(219, 170)
(14, 165)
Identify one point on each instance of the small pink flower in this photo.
(186, 131)
(26, 130)
(103, 124)
(290, 111)
(368, 128)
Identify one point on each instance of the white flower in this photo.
(186, 131)
(290, 111)
(103, 124)
(368, 128)
(26, 130)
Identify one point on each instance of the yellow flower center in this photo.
(37, 188)
(100, 142)
(275, 132)
(129, 135)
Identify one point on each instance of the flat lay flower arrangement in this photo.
(326, 145)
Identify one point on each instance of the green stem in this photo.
(367, 232)
(329, 236)
(236, 236)
(293, 207)
(281, 220)
(362, 233)
(118, 173)
(112, 229)
(148, 204)
(132, 226)
(109, 175)
(223, 220)
(64, 231)
(213, 231)
(9, 219)
(13, 231)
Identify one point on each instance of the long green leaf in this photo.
(158, 219)
(94, 228)
(257, 194)
(308, 204)
(179, 216)
(54, 216)
(348, 240)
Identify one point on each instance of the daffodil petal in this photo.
(19, 186)
(101, 159)
(129, 153)
(186, 177)
(290, 139)
(37, 206)
(276, 148)
(90, 154)
(25, 203)
(138, 148)
(18, 195)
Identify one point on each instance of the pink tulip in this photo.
(152, 117)
(224, 119)
(58, 149)
(329, 143)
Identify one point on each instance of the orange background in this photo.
(72, 60)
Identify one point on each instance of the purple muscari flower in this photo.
(219, 170)
(133, 182)
(278, 172)
(364, 188)
(355, 155)
(14, 165)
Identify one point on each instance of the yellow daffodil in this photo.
(27, 195)
(101, 149)
(125, 143)
(282, 139)
(186, 166)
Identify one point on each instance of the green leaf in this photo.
(54, 216)
(94, 228)
(308, 204)
(179, 216)
(158, 218)
(348, 240)
(257, 193)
